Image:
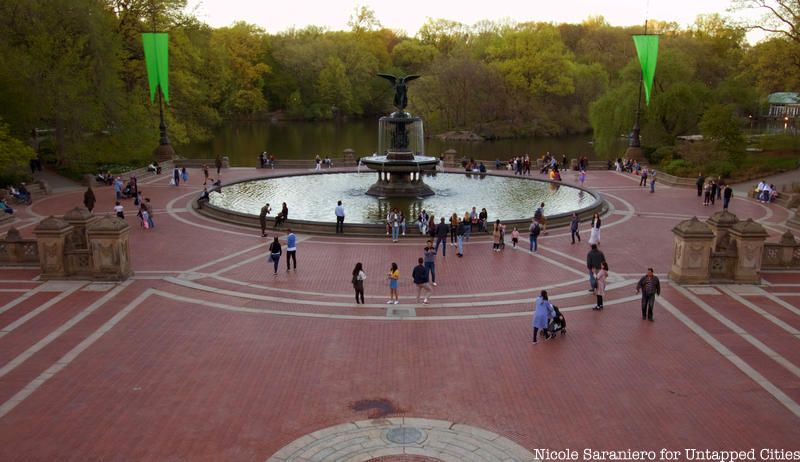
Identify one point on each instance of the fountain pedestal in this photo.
(402, 163)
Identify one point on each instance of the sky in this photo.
(409, 15)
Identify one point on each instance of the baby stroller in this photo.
(558, 323)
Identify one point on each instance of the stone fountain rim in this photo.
(320, 227)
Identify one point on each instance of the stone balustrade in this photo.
(16, 251)
(725, 249)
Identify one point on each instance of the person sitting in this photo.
(217, 183)
(5, 208)
(204, 197)
(481, 168)
(773, 193)
(282, 216)
(23, 195)
(154, 167)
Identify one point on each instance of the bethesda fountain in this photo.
(400, 160)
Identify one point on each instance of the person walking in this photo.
(643, 180)
(441, 237)
(339, 211)
(649, 286)
(700, 183)
(460, 230)
(394, 278)
(514, 237)
(184, 175)
(420, 276)
(218, 163)
(601, 277)
(726, 196)
(538, 215)
(594, 260)
(275, 254)
(573, 227)
(429, 254)
(533, 236)
(652, 181)
(205, 174)
(176, 176)
(358, 282)
(394, 223)
(582, 177)
(594, 233)
(147, 206)
(542, 314)
(714, 188)
(291, 250)
(262, 218)
(89, 199)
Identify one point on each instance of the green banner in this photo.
(156, 58)
(647, 49)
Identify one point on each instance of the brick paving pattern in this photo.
(204, 355)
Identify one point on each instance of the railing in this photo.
(22, 252)
(722, 265)
(780, 256)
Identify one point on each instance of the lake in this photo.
(242, 142)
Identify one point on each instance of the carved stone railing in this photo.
(783, 254)
(15, 251)
(722, 266)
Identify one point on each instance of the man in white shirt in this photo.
(339, 218)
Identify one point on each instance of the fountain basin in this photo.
(311, 199)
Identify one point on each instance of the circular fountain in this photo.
(400, 160)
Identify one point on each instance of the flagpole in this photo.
(164, 151)
(635, 141)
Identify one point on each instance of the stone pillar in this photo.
(108, 243)
(349, 156)
(691, 252)
(79, 218)
(749, 237)
(226, 163)
(788, 244)
(721, 224)
(52, 235)
(450, 158)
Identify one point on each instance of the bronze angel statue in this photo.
(400, 88)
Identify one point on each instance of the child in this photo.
(582, 177)
(118, 210)
(514, 237)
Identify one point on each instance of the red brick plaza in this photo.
(205, 356)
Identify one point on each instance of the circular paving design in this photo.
(426, 440)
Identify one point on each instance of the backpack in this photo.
(536, 230)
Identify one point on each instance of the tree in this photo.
(244, 47)
(363, 19)
(14, 156)
(722, 127)
(781, 17)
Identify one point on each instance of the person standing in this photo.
(184, 175)
(573, 227)
(429, 260)
(441, 237)
(726, 196)
(496, 236)
(594, 261)
(453, 228)
(147, 206)
(205, 174)
(291, 250)
(394, 278)
(176, 176)
(218, 163)
(582, 177)
(339, 217)
(420, 276)
(89, 199)
(118, 188)
(275, 254)
(460, 230)
(594, 233)
(701, 181)
(643, 180)
(514, 237)
(262, 218)
(713, 191)
(652, 181)
(394, 223)
(542, 314)
(601, 277)
(720, 187)
(358, 282)
(533, 236)
(649, 287)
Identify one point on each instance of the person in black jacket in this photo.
(441, 237)
(460, 230)
(701, 181)
(593, 261)
(726, 196)
(420, 275)
(275, 254)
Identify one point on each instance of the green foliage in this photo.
(720, 125)
(14, 157)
